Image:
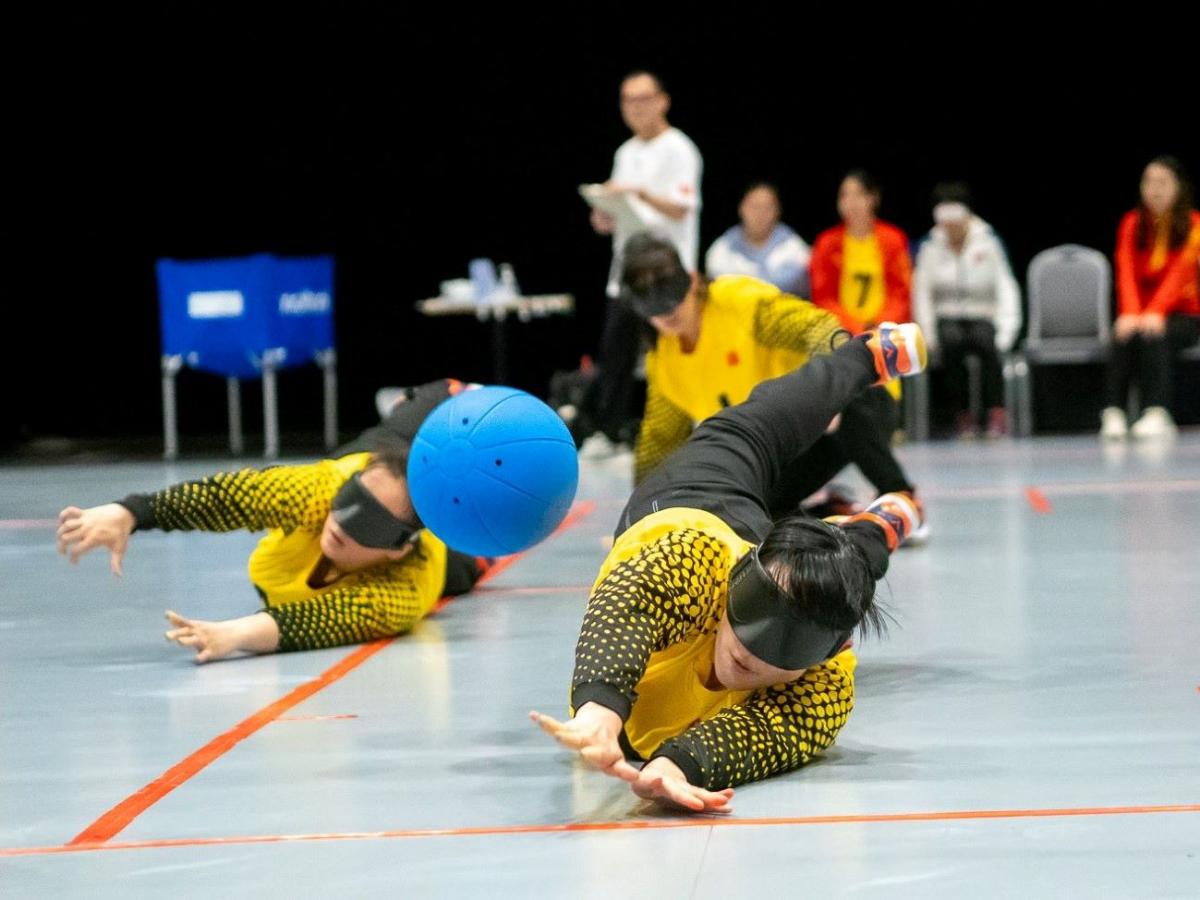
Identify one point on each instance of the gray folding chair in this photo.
(1068, 289)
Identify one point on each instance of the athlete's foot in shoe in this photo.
(1155, 422)
(965, 426)
(601, 446)
(1113, 424)
(919, 536)
(388, 398)
(898, 350)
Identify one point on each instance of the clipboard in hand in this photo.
(619, 206)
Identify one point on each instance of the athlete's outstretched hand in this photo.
(664, 782)
(593, 733)
(83, 530)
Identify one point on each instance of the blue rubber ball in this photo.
(492, 471)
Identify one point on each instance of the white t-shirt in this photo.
(667, 167)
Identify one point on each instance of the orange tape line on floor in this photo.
(118, 818)
(632, 825)
(1038, 501)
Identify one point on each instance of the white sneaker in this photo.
(597, 446)
(386, 400)
(919, 536)
(1113, 425)
(1155, 422)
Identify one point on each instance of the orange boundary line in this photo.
(118, 818)
(1038, 501)
(634, 825)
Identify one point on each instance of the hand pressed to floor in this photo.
(256, 633)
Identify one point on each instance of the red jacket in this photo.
(826, 269)
(1172, 289)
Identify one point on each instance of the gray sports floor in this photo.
(1031, 727)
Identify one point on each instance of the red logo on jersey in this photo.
(733, 359)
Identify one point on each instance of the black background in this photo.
(406, 146)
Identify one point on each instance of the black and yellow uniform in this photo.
(749, 331)
(645, 649)
(293, 502)
(648, 637)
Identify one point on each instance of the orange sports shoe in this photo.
(899, 350)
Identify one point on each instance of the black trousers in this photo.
(864, 439)
(608, 402)
(960, 338)
(1147, 362)
(735, 461)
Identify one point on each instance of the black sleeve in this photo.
(662, 596)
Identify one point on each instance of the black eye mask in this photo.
(367, 521)
(657, 297)
(765, 621)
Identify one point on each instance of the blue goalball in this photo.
(492, 471)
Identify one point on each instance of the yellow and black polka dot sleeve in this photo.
(789, 323)
(776, 730)
(286, 497)
(665, 428)
(380, 603)
(665, 594)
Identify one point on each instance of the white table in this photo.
(525, 309)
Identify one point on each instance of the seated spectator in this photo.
(967, 303)
(860, 269)
(861, 272)
(762, 246)
(1158, 299)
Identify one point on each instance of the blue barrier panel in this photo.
(223, 315)
(301, 320)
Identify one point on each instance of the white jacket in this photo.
(975, 284)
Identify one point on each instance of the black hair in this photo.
(867, 180)
(952, 192)
(1180, 214)
(392, 455)
(762, 185)
(649, 260)
(646, 73)
(651, 264)
(823, 572)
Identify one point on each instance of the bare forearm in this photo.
(257, 633)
